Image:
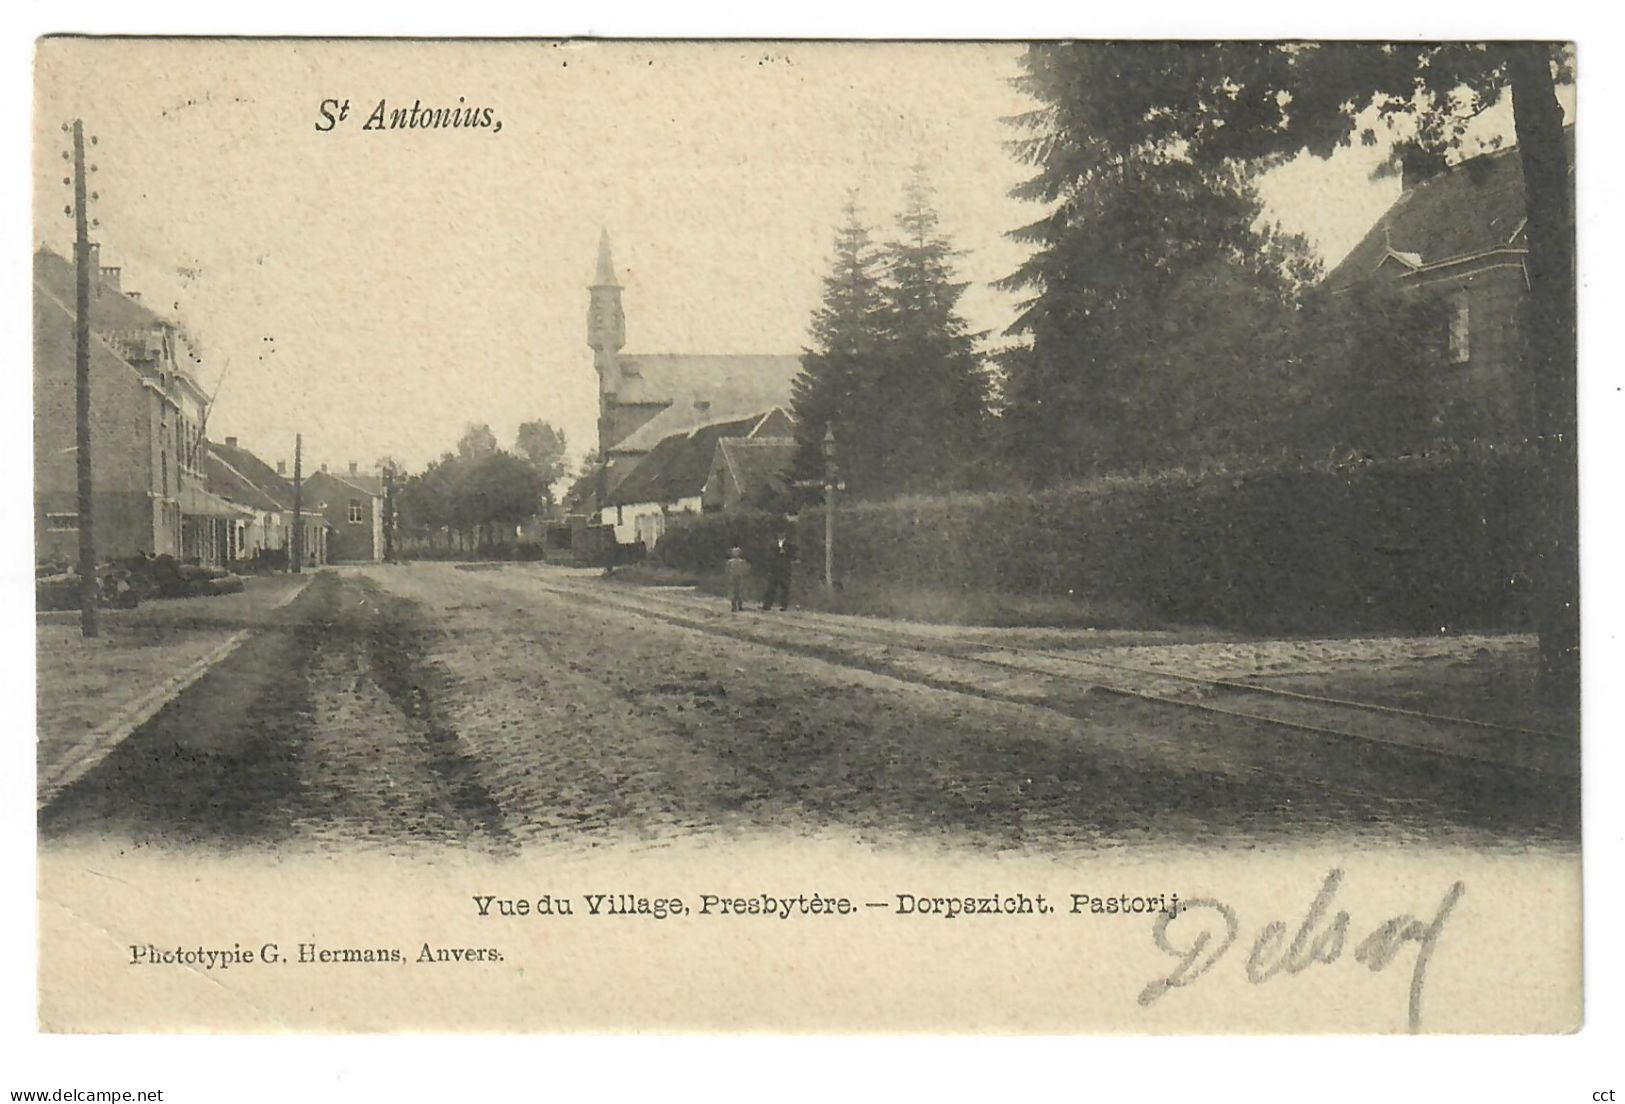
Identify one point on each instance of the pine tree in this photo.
(847, 341)
(931, 399)
(1143, 257)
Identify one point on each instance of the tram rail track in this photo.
(1430, 741)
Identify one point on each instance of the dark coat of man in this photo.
(781, 559)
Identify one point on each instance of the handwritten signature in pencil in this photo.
(1203, 930)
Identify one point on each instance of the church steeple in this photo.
(606, 323)
(605, 276)
(606, 333)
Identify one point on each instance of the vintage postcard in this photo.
(563, 536)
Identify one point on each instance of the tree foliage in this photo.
(893, 367)
(1156, 323)
(545, 449)
(847, 341)
(1123, 116)
(469, 497)
(477, 441)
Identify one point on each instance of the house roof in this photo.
(755, 462)
(255, 471)
(700, 390)
(1469, 208)
(224, 480)
(111, 309)
(362, 482)
(54, 338)
(679, 465)
(113, 313)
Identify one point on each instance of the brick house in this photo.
(149, 490)
(352, 502)
(1455, 238)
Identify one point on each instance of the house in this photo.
(749, 472)
(674, 476)
(149, 491)
(646, 399)
(266, 537)
(353, 504)
(1455, 238)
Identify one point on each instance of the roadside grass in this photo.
(932, 605)
(82, 682)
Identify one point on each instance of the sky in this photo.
(376, 291)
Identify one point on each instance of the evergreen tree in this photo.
(847, 344)
(1155, 292)
(932, 399)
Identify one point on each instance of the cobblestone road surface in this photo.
(509, 707)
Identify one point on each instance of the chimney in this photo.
(95, 255)
(352, 467)
(324, 467)
(282, 467)
(110, 274)
(1417, 166)
(231, 442)
(136, 295)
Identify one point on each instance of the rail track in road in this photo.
(1354, 732)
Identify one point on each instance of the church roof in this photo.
(699, 390)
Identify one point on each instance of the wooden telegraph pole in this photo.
(297, 551)
(89, 590)
(389, 511)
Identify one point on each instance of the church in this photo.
(645, 398)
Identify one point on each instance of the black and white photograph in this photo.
(545, 535)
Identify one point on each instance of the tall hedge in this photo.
(1409, 545)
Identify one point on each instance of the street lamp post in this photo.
(830, 477)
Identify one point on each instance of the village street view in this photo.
(523, 704)
(1077, 503)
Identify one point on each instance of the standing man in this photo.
(737, 570)
(781, 560)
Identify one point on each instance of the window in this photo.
(61, 523)
(356, 512)
(1460, 335)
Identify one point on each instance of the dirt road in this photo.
(507, 707)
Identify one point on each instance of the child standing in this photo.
(737, 571)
